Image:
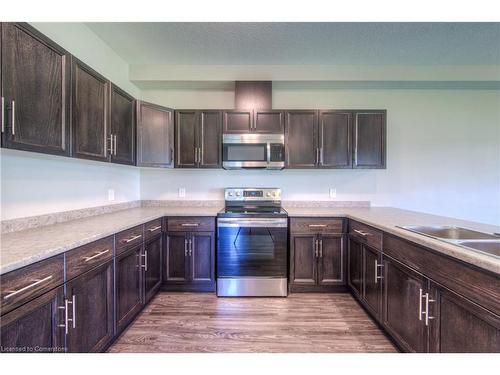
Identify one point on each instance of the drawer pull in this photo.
(317, 225)
(37, 282)
(96, 255)
(361, 233)
(190, 224)
(154, 228)
(133, 238)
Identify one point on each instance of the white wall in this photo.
(443, 152)
(34, 184)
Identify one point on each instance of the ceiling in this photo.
(303, 43)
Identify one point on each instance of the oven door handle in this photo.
(252, 223)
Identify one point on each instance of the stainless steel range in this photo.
(252, 243)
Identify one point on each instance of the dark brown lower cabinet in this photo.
(36, 326)
(457, 325)
(91, 310)
(129, 290)
(355, 267)
(152, 271)
(316, 262)
(189, 261)
(403, 308)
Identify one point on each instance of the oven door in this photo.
(252, 247)
(244, 155)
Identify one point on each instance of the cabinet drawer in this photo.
(311, 225)
(366, 234)
(23, 285)
(129, 238)
(153, 228)
(88, 256)
(191, 224)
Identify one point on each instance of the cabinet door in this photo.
(34, 327)
(355, 267)
(128, 286)
(36, 90)
(185, 138)
(238, 121)
(202, 257)
(152, 274)
(335, 139)
(155, 135)
(89, 113)
(372, 276)
(210, 139)
(458, 325)
(402, 306)
(331, 260)
(122, 126)
(301, 137)
(269, 121)
(303, 260)
(91, 310)
(175, 258)
(369, 139)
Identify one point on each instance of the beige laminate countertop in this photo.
(19, 249)
(388, 219)
(25, 247)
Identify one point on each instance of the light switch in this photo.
(111, 194)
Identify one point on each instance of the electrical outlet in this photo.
(333, 193)
(182, 192)
(111, 194)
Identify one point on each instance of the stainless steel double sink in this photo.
(478, 241)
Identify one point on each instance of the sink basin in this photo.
(450, 232)
(491, 247)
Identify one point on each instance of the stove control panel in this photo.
(252, 194)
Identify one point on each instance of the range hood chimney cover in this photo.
(253, 95)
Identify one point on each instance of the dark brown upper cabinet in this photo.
(369, 139)
(334, 139)
(155, 135)
(238, 121)
(122, 124)
(35, 91)
(198, 138)
(301, 139)
(253, 121)
(89, 113)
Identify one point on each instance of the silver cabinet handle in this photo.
(65, 308)
(317, 225)
(3, 114)
(321, 155)
(154, 228)
(145, 256)
(361, 233)
(13, 117)
(96, 255)
(37, 282)
(115, 144)
(427, 300)
(320, 242)
(196, 155)
(316, 248)
(73, 305)
(185, 247)
(133, 238)
(190, 247)
(190, 224)
(111, 144)
(420, 295)
(377, 266)
(317, 155)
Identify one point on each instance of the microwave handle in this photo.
(268, 153)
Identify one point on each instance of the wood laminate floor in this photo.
(201, 322)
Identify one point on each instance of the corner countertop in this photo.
(19, 249)
(388, 219)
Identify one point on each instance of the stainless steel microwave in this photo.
(253, 151)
